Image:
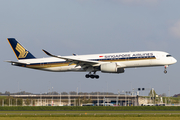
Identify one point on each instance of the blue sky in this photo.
(63, 27)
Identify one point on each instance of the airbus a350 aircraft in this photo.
(106, 63)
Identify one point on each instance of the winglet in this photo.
(47, 52)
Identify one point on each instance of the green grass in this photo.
(90, 108)
(90, 114)
(88, 118)
(4, 97)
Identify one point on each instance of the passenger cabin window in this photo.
(168, 55)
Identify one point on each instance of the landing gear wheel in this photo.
(92, 76)
(165, 67)
(96, 76)
(87, 76)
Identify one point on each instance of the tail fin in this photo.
(19, 50)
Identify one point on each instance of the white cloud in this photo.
(175, 30)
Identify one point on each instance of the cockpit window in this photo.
(168, 55)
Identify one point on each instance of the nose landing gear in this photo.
(165, 67)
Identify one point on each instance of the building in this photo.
(78, 100)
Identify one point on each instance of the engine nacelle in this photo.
(111, 68)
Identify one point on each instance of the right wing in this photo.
(79, 62)
(88, 65)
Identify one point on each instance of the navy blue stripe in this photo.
(46, 63)
(129, 58)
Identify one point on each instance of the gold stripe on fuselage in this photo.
(48, 65)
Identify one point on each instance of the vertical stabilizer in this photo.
(19, 50)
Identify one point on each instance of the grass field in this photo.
(89, 108)
(88, 118)
(74, 112)
(90, 115)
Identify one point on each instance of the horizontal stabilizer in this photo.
(16, 63)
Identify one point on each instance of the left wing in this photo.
(83, 63)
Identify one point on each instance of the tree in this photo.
(73, 93)
(152, 93)
(19, 101)
(27, 102)
(64, 93)
(7, 93)
(163, 95)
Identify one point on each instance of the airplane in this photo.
(106, 63)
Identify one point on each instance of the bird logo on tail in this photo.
(22, 51)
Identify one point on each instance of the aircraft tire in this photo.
(165, 71)
(87, 76)
(97, 76)
(92, 76)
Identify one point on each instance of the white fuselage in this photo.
(123, 60)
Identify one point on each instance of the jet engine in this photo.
(111, 68)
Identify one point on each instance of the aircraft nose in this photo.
(174, 60)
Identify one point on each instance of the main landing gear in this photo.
(165, 71)
(92, 76)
